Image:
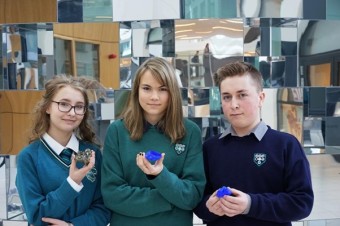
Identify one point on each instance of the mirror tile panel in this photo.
(136, 10)
(284, 39)
(194, 9)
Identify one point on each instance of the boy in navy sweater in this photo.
(267, 170)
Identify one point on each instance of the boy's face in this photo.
(241, 103)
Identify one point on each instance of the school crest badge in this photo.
(91, 175)
(260, 158)
(179, 148)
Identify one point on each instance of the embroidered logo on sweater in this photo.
(91, 175)
(260, 158)
(179, 148)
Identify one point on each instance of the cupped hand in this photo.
(214, 205)
(147, 167)
(77, 175)
(235, 204)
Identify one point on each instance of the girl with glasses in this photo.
(53, 187)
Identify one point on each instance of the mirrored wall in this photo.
(292, 43)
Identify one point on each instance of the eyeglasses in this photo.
(66, 107)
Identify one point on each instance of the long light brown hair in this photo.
(41, 121)
(172, 121)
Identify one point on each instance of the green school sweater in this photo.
(167, 199)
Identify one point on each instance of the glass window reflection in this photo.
(87, 59)
(63, 63)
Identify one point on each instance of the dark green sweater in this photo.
(165, 200)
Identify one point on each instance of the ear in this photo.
(262, 96)
(48, 111)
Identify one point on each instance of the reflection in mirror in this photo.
(185, 101)
(215, 102)
(252, 37)
(27, 48)
(63, 60)
(202, 46)
(210, 126)
(314, 9)
(121, 99)
(84, 10)
(276, 71)
(3, 185)
(97, 10)
(321, 121)
(128, 68)
(332, 128)
(270, 108)
(315, 102)
(194, 9)
(87, 59)
(270, 37)
(333, 101)
(46, 55)
(70, 11)
(213, 126)
(314, 119)
(198, 102)
(136, 10)
(319, 53)
(14, 205)
(125, 39)
(314, 135)
(290, 111)
(2, 60)
(333, 9)
(151, 38)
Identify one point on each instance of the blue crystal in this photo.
(153, 155)
(223, 191)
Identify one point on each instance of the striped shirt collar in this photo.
(58, 148)
(259, 131)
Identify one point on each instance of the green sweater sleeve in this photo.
(185, 191)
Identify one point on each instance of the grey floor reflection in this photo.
(326, 184)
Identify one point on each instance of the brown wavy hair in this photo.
(41, 120)
(172, 122)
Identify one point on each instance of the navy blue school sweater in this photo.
(273, 171)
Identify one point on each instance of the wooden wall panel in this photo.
(88, 31)
(2, 12)
(30, 11)
(63, 29)
(6, 132)
(109, 68)
(106, 35)
(16, 118)
(110, 32)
